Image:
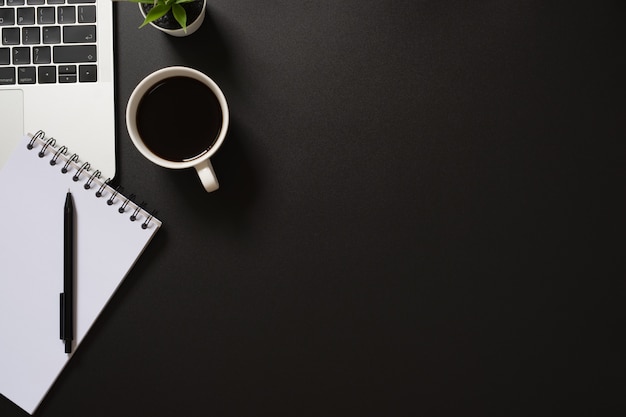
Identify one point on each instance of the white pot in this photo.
(191, 27)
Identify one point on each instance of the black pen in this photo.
(67, 297)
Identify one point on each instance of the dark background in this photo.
(420, 214)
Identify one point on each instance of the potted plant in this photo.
(174, 17)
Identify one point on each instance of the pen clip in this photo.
(62, 321)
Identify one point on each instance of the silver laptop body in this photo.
(56, 75)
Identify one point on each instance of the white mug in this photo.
(202, 163)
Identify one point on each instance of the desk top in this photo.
(417, 216)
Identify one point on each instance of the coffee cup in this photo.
(177, 117)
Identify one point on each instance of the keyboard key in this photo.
(87, 73)
(51, 34)
(45, 15)
(67, 69)
(31, 35)
(67, 79)
(80, 1)
(79, 34)
(56, 1)
(86, 14)
(26, 75)
(47, 74)
(7, 75)
(66, 15)
(21, 55)
(5, 56)
(25, 15)
(15, 2)
(35, 2)
(10, 36)
(42, 55)
(78, 53)
(7, 17)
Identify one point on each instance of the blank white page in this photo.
(107, 244)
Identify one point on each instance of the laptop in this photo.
(56, 75)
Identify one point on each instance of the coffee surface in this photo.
(179, 119)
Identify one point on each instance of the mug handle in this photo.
(207, 176)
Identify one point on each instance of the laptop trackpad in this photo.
(11, 122)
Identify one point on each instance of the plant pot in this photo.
(195, 16)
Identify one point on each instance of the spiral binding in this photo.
(66, 167)
(93, 179)
(49, 142)
(83, 167)
(57, 153)
(93, 176)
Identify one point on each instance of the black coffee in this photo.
(179, 119)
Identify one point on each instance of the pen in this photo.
(67, 297)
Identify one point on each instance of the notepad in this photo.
(111, 232)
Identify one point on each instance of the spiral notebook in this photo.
(111, 232)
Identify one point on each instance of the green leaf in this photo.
(180, 15)
(156, 12)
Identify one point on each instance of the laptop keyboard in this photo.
(48, 41)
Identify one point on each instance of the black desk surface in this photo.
(421, 213)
